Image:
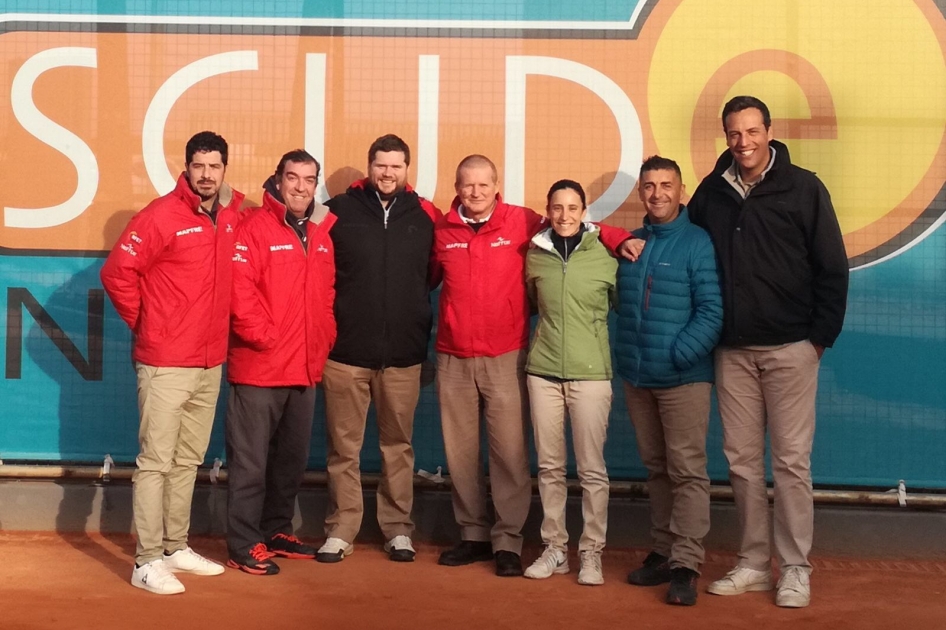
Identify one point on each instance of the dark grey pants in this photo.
(268, 432)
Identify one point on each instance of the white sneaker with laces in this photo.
(741, 580)
(334, 550)
(794, 588)
(590, 573)
(155, 576)
(187, 560)
(551, 561)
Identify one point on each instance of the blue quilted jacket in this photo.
(670, 312)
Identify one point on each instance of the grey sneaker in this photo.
(741, 580)
(550, 562)
(794, 588)
(590, 572)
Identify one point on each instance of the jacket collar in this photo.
(775, 180)
(499, 212)
(543, 240)
(662, 230)
(273, 202)
(188, 196)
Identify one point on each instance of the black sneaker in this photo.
(256, 561)
(467, 552)
(654, 571)
(288, 546)
(508, 564)
(682, 587)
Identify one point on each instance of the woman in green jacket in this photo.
(571, 280)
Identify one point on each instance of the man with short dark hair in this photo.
(670, 314)
(169, 279)
(283, 327)
(784, 277)
(382, 248)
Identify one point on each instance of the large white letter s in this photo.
(56, 136)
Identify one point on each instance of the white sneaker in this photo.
(334, 550)
(155, 576)
(400, 549)
(794, 588)
(741, 580)
(590, 572)
(187, 560)
(551, 561)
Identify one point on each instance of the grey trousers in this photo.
(670, 425)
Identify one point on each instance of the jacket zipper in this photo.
(650, 284)
(384, 257)
(213, 225)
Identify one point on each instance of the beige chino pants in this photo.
(494, 386)
(770, 388)
(348, 391)
(588, 404)
(176, 406)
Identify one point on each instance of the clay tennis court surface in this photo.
(65, 581)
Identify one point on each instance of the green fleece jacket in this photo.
(573, 299)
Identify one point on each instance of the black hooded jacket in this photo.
(782, 263)
(382, 298)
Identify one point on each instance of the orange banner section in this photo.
(97, 122)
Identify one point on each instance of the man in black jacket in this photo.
(382, 239)
(784, 276)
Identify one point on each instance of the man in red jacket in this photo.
(482, 336)
(283, 327)
(169, 279)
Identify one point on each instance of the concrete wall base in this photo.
(76, 506)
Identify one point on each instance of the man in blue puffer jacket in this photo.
(670, 315)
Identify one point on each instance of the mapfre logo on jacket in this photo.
(282, 316)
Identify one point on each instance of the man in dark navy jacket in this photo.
(784, 279)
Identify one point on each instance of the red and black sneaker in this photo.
(256, 561)
(288, 546)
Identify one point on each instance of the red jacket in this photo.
(484, 309)
(282, 322)
(169, 278)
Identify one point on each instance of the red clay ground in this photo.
(71, 581)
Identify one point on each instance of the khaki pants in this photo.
(348, 391)
(774, 388)
(588, 404)
(177, 412)
(670, 425)
(495, 386)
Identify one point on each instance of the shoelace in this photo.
(289, 538)
(792, 580)
(591, 561)
(160, 571)
(260, 553)
(732, 574)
